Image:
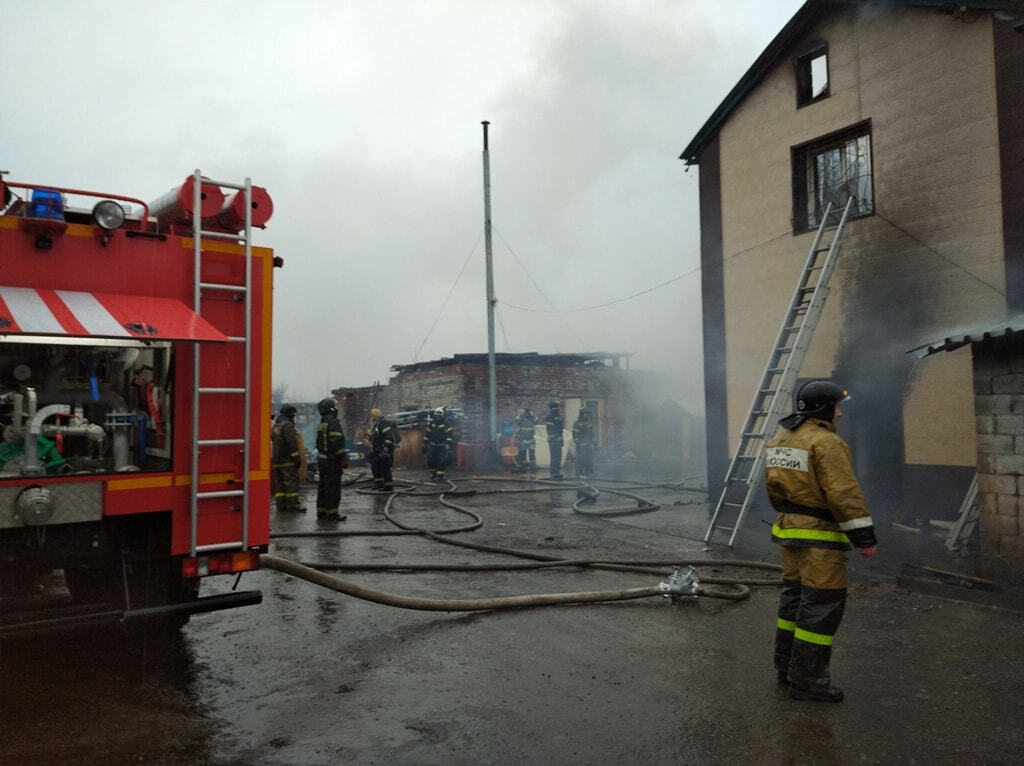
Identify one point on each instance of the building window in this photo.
(832, 169)
(812, 76)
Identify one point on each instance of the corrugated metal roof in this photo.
(961, 337)
(526, 358)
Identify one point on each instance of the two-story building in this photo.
(916, 110)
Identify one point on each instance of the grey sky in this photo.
(362, 120)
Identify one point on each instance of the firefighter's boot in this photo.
(809, 678)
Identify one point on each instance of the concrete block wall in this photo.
(999, 414)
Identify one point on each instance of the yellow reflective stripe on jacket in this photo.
(809, 534)
(786, 625)
(813, 638)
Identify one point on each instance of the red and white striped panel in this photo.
(31, 311)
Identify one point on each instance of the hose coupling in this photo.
(681, 585)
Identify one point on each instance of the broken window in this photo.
(812, 76)
(832, 169)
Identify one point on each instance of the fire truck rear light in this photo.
(220, 563)
(108, 215)
(245, 561)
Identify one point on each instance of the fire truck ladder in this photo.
(242, 391)
(775, 391)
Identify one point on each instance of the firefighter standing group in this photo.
(583, 437)
(383, 438)
(288, 461)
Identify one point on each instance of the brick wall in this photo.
(637, 416)
(999, 413)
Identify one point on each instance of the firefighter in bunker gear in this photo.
(526, 441)
(583, 438)
(286, 460)
(555, 426)
(820, 511)
(330, 446)
(383, 437)
(437, 444)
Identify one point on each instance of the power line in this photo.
(547, 300)
(501, 326)
(609, 303)
(658, 286)
(415, 356)
(946, 258)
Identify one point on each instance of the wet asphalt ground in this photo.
(312, 676)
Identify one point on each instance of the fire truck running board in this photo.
(775, 390)
(201, 392)
(81, 619)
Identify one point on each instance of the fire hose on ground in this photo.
(680, 585)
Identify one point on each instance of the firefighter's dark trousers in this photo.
(555, 447)
(437, 460)
(286, 487)
(810, 611)
(584, 459)
(380, 465)
(328, 491)
(527, 458)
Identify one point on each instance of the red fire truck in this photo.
(134, 401)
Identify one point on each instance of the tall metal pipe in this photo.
(492, 386)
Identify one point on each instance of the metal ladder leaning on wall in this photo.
(775, 390)
(966, 523)
(243, 440)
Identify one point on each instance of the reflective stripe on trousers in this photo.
(811, 607)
